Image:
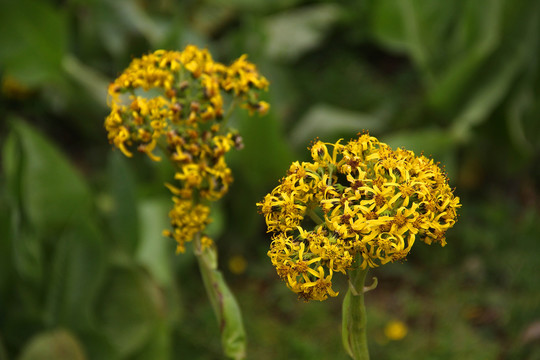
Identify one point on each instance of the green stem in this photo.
(313, 215)
(233, 335)
(354, 316)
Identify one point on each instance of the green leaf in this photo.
(294, 32)
(94, 82)
(97, 345)
(476, 37)
(387, 25)
(77, 270)
(52, 192)
(129, 309)
(487, 97)
(133, 15)
(6, 261)
(159, 344)
(124, 215)
(264, 159)
(27, 253)
(265, 150)
(155, 250)
(12, 165)
(53, 345)
(407, 26)
(327, 122)
(33, 47)
(521, 103)
(23, 244)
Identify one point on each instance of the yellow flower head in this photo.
(167, 94)
(357, 200)
(175, 101)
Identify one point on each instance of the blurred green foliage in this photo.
(84, 270)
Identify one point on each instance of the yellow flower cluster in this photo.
(359, 204)
(178, 102)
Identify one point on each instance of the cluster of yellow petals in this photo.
(187, 219)
(177, 102)
(359, 204)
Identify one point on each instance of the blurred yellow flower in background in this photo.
(237, 264)
(179, 102)
(396, 330)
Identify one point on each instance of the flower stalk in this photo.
(179, 103)
(354, 319)
(224, 304)
(365, 205)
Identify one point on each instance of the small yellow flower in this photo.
(237, 264)
(395, 330)
(12, 88)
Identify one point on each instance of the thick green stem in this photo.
(354, 317)
(313, 215)
(233, 335)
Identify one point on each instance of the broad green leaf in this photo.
(12, 166)
(6, 262)
(97, 345)
(22, 244)
(264, 159)
(487, 97)
(265, 152)
(294, 32)
(155, 250)
(77, 270)
(159, 344)
(129, 309)
(408, 26)
(33, 47)
(124, 215)
(524, 108)
(52, 192)
(27, 252)
(94, 82)
(102, 28)
(54, 345)
(476, 36)
(134, 16)
(388, 26)
(327, 122)
(521, 103)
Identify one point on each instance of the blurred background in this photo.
(84, 270)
